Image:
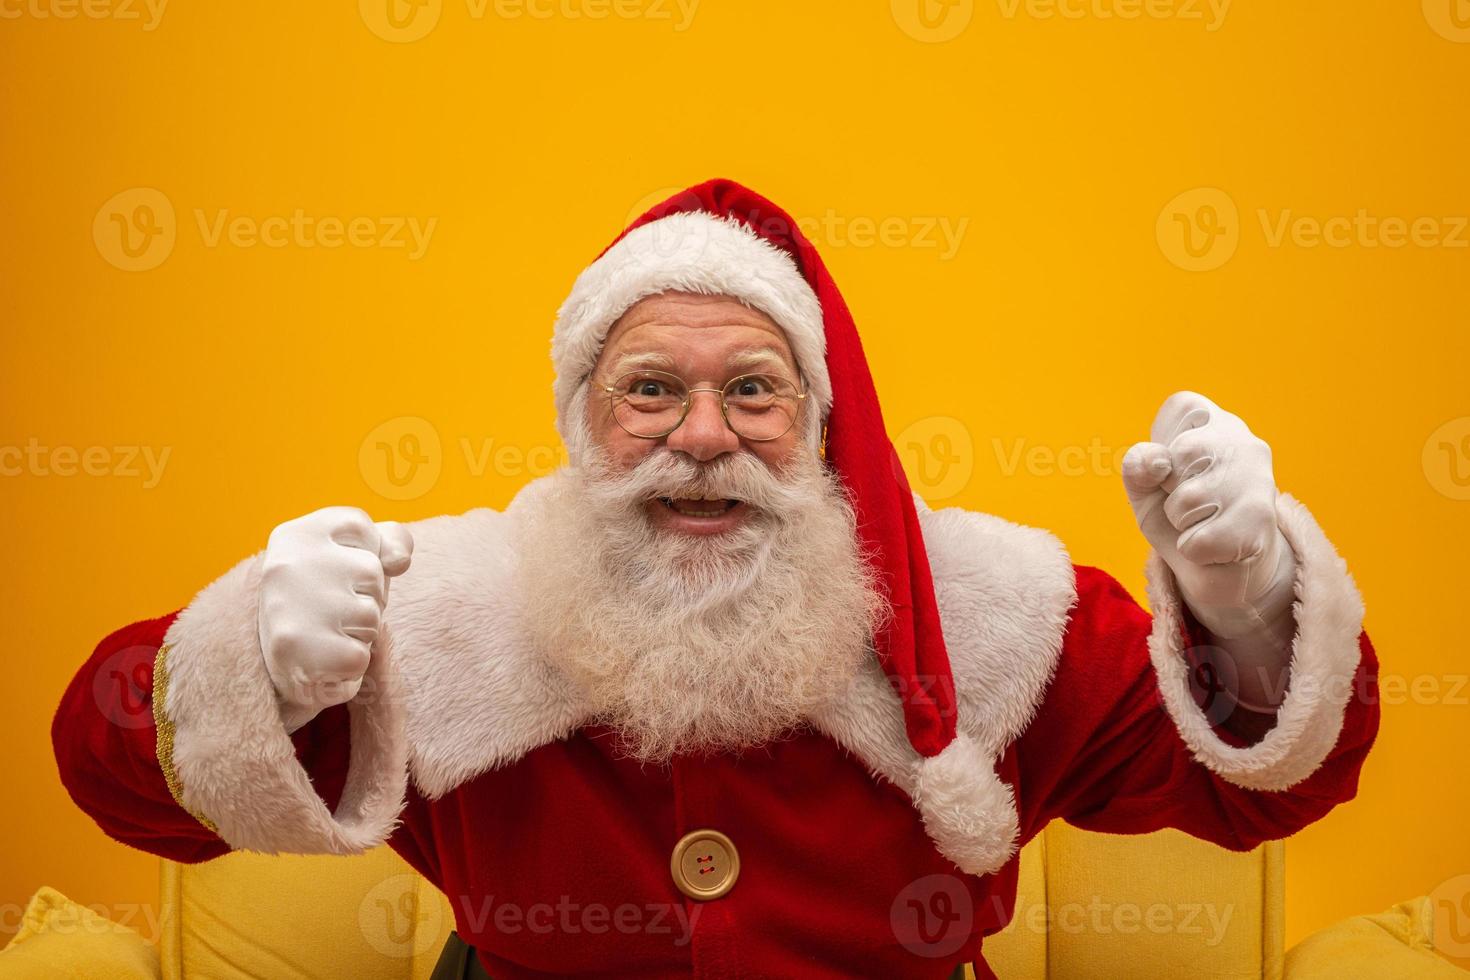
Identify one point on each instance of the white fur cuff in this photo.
(1324, 660)
(237, 766)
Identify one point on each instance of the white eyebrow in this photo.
(751, 358)
(648, 360)
(742, 361)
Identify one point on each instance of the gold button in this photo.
(705, 864)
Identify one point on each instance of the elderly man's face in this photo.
(690, 633)
(706, 341)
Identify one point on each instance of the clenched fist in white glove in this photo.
(1205, 497)
(323, 589)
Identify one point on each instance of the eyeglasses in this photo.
(652, 404)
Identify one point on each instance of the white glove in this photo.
(1204, 496)
(323, 589)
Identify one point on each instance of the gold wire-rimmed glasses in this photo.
(652, 404)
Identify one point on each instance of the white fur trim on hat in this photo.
(695, 252)
(969, 812)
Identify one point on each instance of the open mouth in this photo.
(699, 507)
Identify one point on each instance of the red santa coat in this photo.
(474, 760)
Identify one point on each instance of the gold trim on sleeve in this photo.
(165, 728)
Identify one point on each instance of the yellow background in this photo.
(1059, 323)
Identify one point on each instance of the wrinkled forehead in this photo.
(689, 332)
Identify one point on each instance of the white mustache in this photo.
(735, 476)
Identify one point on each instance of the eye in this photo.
(649, 391)
(752, 386)
(648, 404)
(645, 385)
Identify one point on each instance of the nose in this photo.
(704, 434)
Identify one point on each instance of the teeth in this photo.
(687, 511)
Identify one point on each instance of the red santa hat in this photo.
(720, 238)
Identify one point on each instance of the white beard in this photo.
(697, 644)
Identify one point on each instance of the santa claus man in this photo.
(724, 669)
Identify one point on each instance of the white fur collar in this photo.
(480, 698)
(458, 690)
